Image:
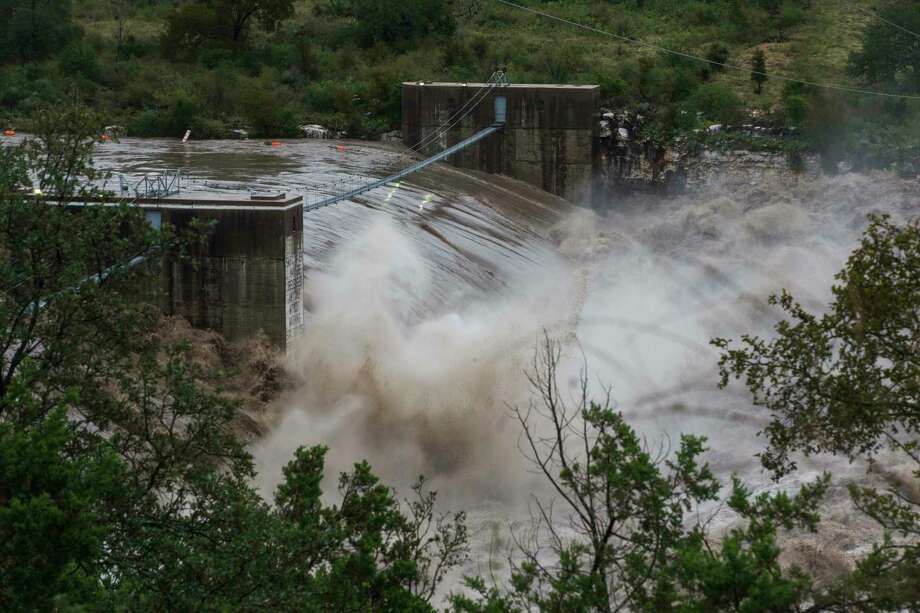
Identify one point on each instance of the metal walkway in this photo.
(495, 127)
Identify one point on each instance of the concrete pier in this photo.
(249, 275)
(246, 277)
(550, 139)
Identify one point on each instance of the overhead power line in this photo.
(458, 116)
(883, 20)
(690, 56)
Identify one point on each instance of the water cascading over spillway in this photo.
(425, 299)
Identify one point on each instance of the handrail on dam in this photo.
(495, 127)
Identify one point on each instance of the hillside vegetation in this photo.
(159, 67)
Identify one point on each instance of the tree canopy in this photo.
(847, 382)
(890, 54)
(123, 482)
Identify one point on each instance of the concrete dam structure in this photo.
(247, 277)
(550, 137)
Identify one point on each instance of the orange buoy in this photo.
(104, 138)
(276, 143)
(9, 133)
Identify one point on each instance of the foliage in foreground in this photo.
(848, 383)
(640, 519)
(123, 484)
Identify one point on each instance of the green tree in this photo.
(220, 22)
(123, 484)
(32, 30)
(241, 12)
(848, 382)
(397, 21)
(759, 69)
(717, 54)
(639, 543)
(890, 55)
(719, 103)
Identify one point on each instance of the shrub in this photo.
(795, 109)
(718, 103)
(611, 86)
(146, 123)
(561, 63)
(265, 111)
(190, 28)
(794, 155)
(79, 58)
(717, 53)
(212, 58)
(33, 31)
(400, 21)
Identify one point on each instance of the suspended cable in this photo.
(882, 19)
(690, 56)
(468, 107)
(459, 115)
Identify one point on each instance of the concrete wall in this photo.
(550, 139)
(249, 275)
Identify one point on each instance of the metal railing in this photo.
(166, 183)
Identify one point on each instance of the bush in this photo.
(400, 21)
(203, 128)
(79, 58)
(795, 155)
(561, 63)
(703, 13)
(190, 28)
(717, 53)
(264, 111)
(891, 57)
(718, 103)
(795, 109)
(212, 58)
(32, 31)
(612, 87)
(146, 123)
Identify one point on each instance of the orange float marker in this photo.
(9, 133)
(276, 143)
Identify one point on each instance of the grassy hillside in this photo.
(159, 66)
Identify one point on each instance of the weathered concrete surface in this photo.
(550, 139)
(247, 277)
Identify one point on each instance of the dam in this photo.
(249, 275)
(246, 274)
(549, 140)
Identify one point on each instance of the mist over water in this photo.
(415, 395)
(424, 305)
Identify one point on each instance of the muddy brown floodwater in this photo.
(424, 302)
(473, 232)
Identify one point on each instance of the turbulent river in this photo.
(424, 303)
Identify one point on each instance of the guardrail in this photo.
(167, 183)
